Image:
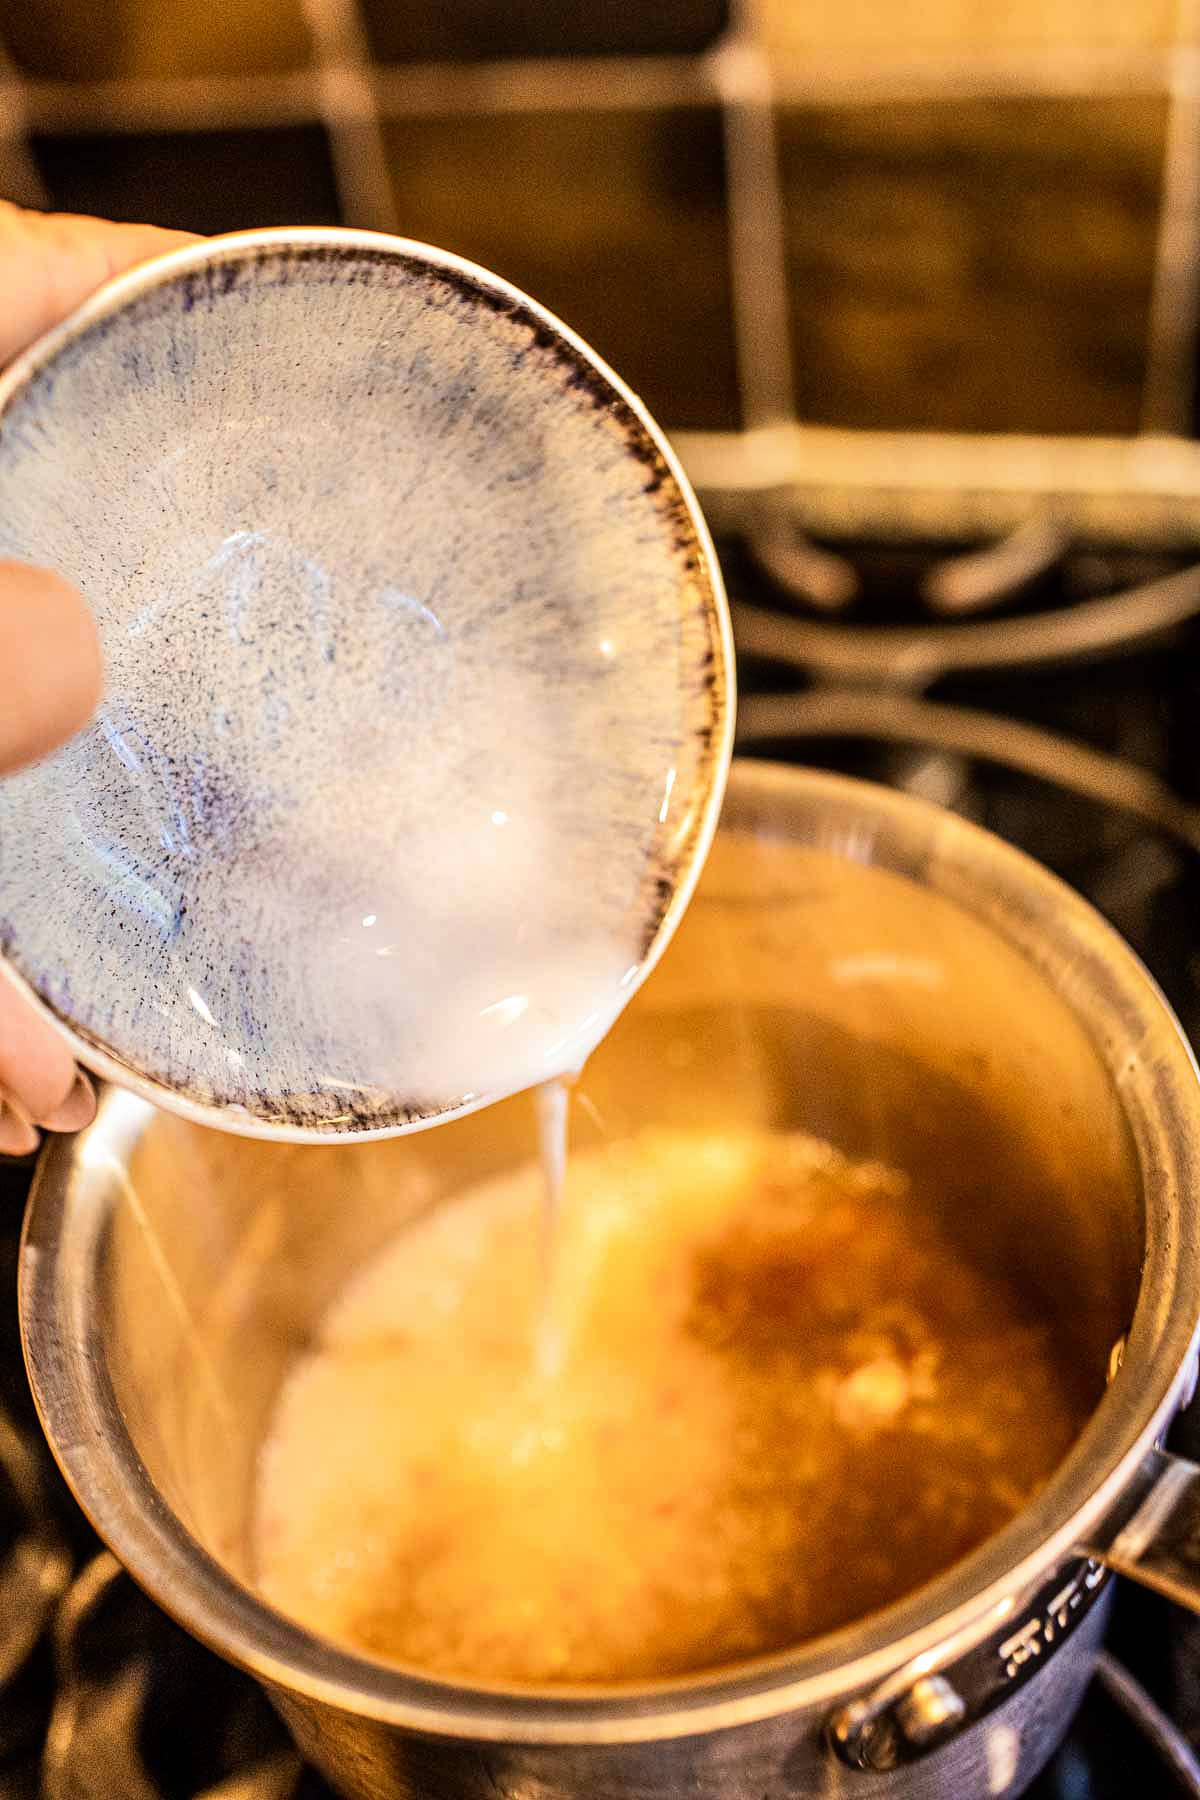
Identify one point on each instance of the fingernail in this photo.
(17, 1135)
(77, 1110)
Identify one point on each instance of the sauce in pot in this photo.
(780, 1397)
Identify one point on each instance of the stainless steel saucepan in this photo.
(857, 964)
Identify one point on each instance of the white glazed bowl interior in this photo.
(417, 684)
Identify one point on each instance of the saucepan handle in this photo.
(1158, 1543)
(1153, 1537)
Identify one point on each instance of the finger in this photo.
(37, 1070)
(77, 1110)
(50, 671)
(17, 1135)
(50, 262)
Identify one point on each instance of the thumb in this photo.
(50, 669)
(49, 262)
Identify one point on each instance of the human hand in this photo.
(50, 670)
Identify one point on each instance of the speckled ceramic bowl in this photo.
(419, 685)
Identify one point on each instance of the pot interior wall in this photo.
(806, 988)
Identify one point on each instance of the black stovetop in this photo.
(1094, 767)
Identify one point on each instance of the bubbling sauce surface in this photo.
(782, 1399)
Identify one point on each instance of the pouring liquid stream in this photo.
(553, 1111)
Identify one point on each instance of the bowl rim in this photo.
(159, 271)
(1147, 1057)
